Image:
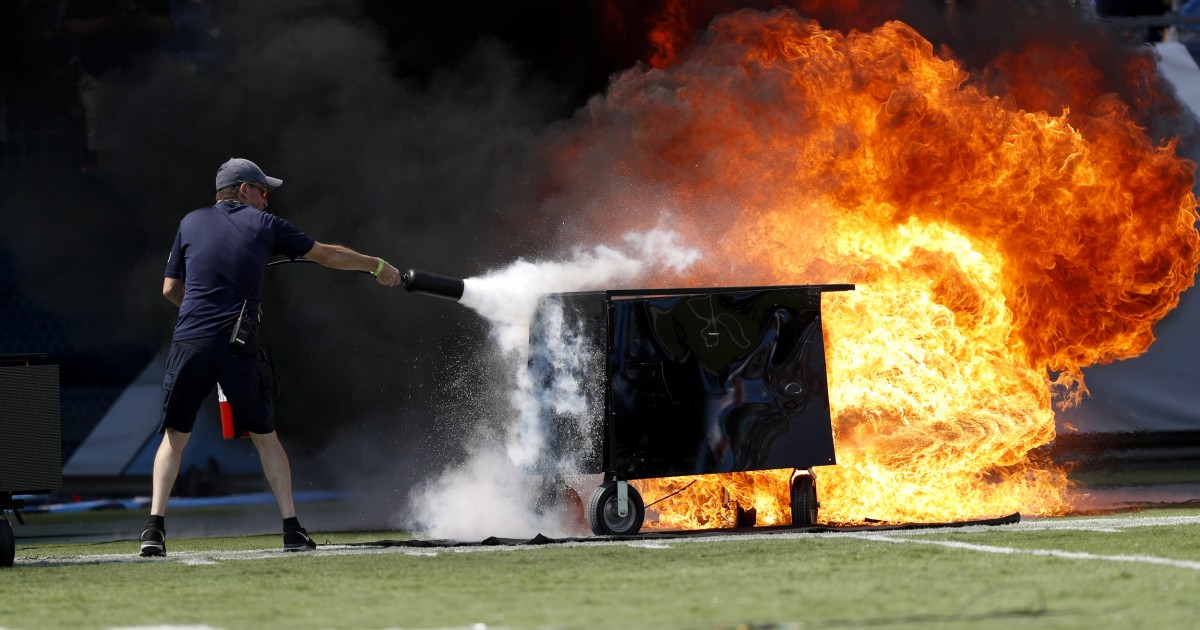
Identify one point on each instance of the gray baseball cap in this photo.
(238, 170)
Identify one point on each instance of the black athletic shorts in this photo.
(195, 366)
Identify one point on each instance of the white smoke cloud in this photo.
(508, 297)
(486, 496)
(492, 493)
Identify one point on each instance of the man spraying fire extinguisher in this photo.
(214, 275)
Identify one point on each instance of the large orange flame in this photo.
(993, 248)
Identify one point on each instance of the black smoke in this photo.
(418, 159)
(420, 133)
(408, 133)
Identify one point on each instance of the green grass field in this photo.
(1138, 569)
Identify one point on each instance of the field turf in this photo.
(1136, 569)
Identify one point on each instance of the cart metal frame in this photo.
(30, 438)
(686, 382)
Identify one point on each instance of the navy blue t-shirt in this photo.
(221, 254)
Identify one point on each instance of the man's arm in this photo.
(173, 290)
(346, 259)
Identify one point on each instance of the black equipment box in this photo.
(30, 437)
(639, 384)
(686, 381)
(30, 426)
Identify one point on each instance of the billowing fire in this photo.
(997, 249)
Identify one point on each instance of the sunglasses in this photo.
(265, 191)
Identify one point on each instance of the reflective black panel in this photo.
(683, 382)
(718, 382)
(30, 429)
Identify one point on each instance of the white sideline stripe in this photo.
(212, 557)
(1105, 524)
(1116, 523)
(1055, 553)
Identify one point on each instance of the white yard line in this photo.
(1095, 524)
(213, 557)
(912, 536)
(1100, 524)
(1055, 553)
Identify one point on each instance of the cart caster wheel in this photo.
(602, 514)
(804, 500)
(561, 501)
(8, 543)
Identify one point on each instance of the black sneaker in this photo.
(297, 540)
(154, 542)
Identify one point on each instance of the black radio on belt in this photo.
(241, 329)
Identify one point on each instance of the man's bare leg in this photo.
(279, 474)
(166, 469)
(277, 470)
(153, 541)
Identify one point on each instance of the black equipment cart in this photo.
(30, 444)
(683, 382)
